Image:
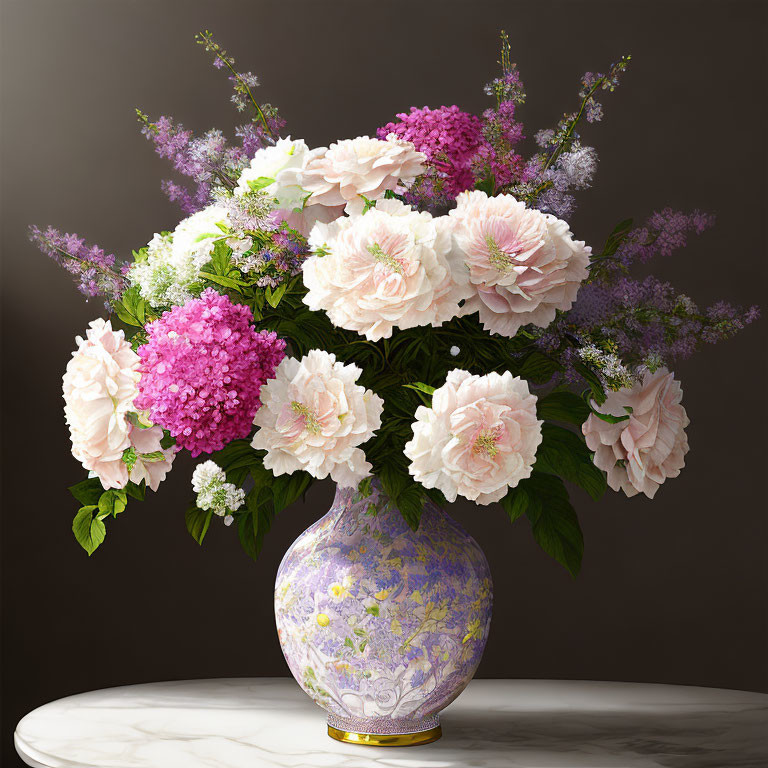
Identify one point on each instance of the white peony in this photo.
(100, 385)
(277, 170)
(478, 439)
(641, 452)
(313, 417)
(361, 166)
(524, 265)
(391, 267)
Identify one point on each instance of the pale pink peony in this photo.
(391, 267)
(313, 417)
(478, 439)
(523, 264)
(149, 465)
(641, 452)
(100, 385)
(361, 166)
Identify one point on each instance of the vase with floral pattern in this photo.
(381, 625)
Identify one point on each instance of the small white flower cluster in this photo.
(213, 491)
(612, 371)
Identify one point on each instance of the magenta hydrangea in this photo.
(447, 136)
(202, 369)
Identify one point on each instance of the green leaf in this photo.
(112, 502)
(609, 417)
(487, 185)
(538, 368)
(617, 237)
(593, 380)
(515, 504)
(137, 491)
(224, 281)
(131, 308)
(87, 492)
(373, 610)
(410, 502)
(420, 386)
(254, 523)
(287, 488)
(258, 184)
(563, 406)
(364, 487)
(167, 440)
(273, 296)
(564, 453)
(554, 523)
(89, 530)
(197, 521)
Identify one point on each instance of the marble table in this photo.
(255, 723)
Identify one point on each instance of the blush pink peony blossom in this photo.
(313, 418)
(361, 166)
(100, 385)
(641, 452)
(202, 369)
(523, 264)
(153, 462)
(479, 438)
(391, 267)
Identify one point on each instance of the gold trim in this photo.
(386, 739)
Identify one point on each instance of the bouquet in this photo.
(409, 307)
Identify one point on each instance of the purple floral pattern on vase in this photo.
(381, 625)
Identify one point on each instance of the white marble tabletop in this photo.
(267, 722)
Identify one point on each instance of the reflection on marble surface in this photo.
(255, 723)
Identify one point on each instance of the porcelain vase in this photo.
(381, 625)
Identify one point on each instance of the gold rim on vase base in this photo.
(386, 739)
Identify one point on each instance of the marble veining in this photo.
(260, 723)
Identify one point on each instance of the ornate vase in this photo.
(383, 626)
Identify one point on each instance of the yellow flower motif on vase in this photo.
(474, 631)
(323, 620)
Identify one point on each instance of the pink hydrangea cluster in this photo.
(202, 369)
(447, 136)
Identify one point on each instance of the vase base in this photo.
(386, 739)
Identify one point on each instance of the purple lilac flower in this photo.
(94, 270)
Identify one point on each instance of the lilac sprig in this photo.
(242, 82)
(662, 234)
(209, 161)
(93, 269)
(551, 176)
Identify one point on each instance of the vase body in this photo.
(381, 625)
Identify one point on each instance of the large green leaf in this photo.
(538, 368)
(255, 521)
(112, 502)
(563, 406)
(544, 500)
(198, 521)
(564, 453)
(287, 488)
(89, 530)
(87, 492)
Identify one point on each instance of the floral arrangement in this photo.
(410, 306)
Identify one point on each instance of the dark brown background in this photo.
(673, 590)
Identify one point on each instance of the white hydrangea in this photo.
(162, 280)
(170, 273)
(213, 491)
